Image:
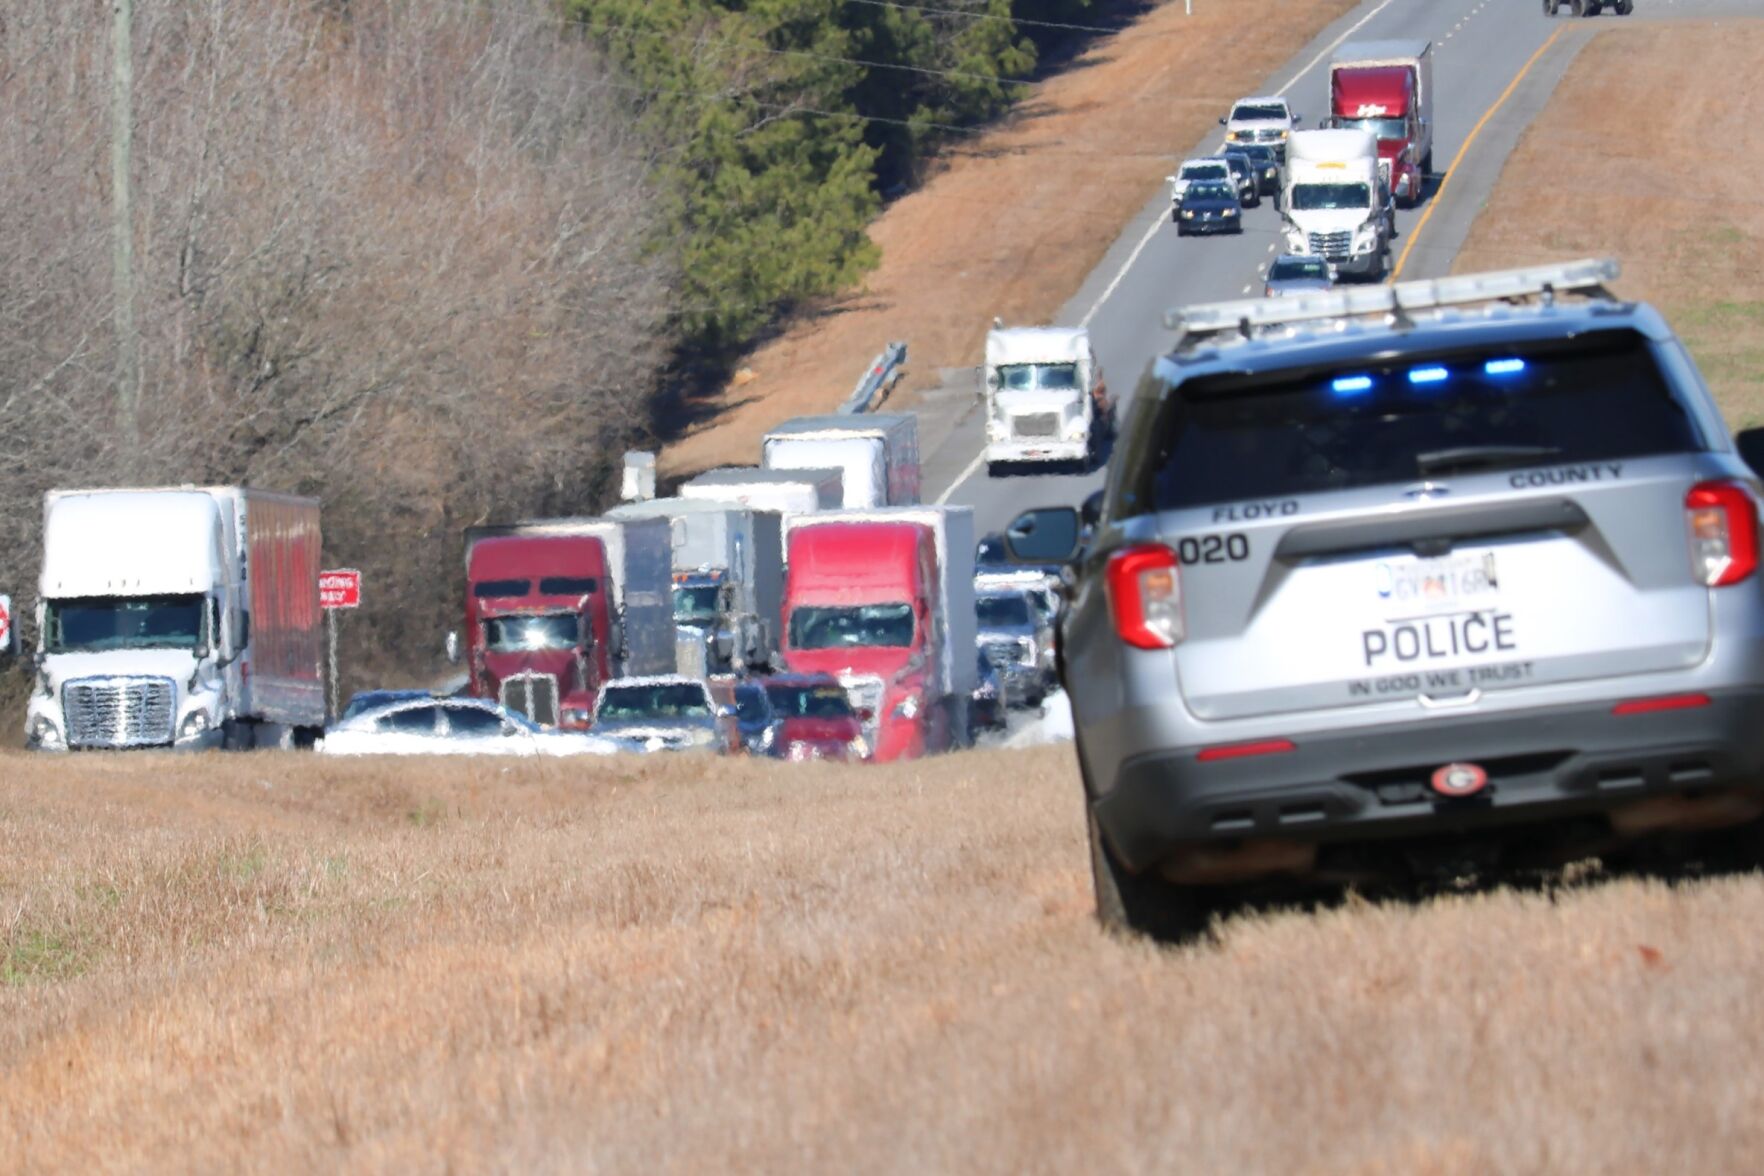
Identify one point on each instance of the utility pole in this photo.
(122, 230)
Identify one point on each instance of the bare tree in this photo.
(389, 252)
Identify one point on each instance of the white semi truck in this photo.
(877, 454)
(1337, 202)
(728, 570)
(796, 491)
(1046, 401)
(183, 617)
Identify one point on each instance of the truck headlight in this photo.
(573, 716)
(1365, 237)
(859, 747)
(768, 738)
(45, 735)
(1188, 214)
(907, 708)
(194, 726)
(1230, 212)
(1295, 241)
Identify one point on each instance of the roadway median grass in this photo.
(1649, 152)
(279, 962)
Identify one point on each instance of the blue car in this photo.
(1209, 206)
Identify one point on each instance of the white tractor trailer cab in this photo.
(1046, 400)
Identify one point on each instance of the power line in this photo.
(978, 16)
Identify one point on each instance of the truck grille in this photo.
(1005, 654)
(865, 693)
(1036, 424)
(1334, 246)
(118, 712)
(533, 695)
(1268, 136)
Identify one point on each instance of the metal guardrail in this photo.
(883, 371)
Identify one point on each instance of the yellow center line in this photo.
(1427, 213)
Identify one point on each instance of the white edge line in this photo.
(1158, 223)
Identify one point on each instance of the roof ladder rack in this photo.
(1396, 303)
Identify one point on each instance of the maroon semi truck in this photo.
(556, 608)
(1386, 87)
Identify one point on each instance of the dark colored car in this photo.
(1298, 273)
(986, 707)
(1249, 187)
(1266, 164)
(759, 722)
(1209, 207)
(816, 719)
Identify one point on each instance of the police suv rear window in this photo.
(1407, 418)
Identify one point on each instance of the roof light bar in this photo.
(1503, 367)
(1433, 374)
(1589, 277)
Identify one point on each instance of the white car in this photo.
(1197, 170)
(1260, 120)
(453, 726)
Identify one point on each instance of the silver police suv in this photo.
(1406, 581)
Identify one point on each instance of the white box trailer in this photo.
(183, 616)
(728, 565)
(877, 454)
(640, 558)
(788, 492)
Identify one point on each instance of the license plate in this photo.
(1436, 584)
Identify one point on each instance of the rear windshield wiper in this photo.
(1482, 457)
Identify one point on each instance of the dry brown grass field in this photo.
(281, 963)
(1623, 163)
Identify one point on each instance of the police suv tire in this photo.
(1576, 7)
(1141, 904)
(1624, 7)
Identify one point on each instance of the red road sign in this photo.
(340, 588)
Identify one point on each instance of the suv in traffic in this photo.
(1417, 581)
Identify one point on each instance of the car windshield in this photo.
(1575, 402)
(1211, 192)
(528, 634)
(1382, 128)
(1257, 153)
(1289, 269)
(886, 626)
(367, 700)
(827, 701)
(666, 700)
(1196, 172)
(1316, 197)
(750, 704)
(997, 611)
(142, 622)
(1021, 377)
(695, 603)
(1256, 112)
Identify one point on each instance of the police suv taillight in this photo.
(1145, 596)
(1723, 523)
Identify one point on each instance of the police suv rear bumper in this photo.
(1375, 782)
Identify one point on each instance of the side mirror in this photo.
(453, 647)
(726, 711)
(1750, 443)
(1224, 122)
(1169, 179)
(1045, 535)
(1297, 119)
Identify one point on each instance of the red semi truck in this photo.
(1386, 87)
(556, 608)
(884, 600)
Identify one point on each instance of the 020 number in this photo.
(1213, 549)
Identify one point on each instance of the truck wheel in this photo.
(1549, 7)
(1141, 904)
(1624, 7)
(1427, 164)
(1576, 7)
(1592, 7)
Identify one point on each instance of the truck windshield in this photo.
(1256, 111)
(528, 634)
(667, 700)
(1022, 377)
(1000, 611)
(1199, 193)
(1576, 408)
(1381, 128)
(1317, 197)
(888, 626)
(810, 702)
(143, 622)
(694, 603)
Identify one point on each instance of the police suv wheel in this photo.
(1142, 904)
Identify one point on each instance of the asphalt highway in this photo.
(1496, 63)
